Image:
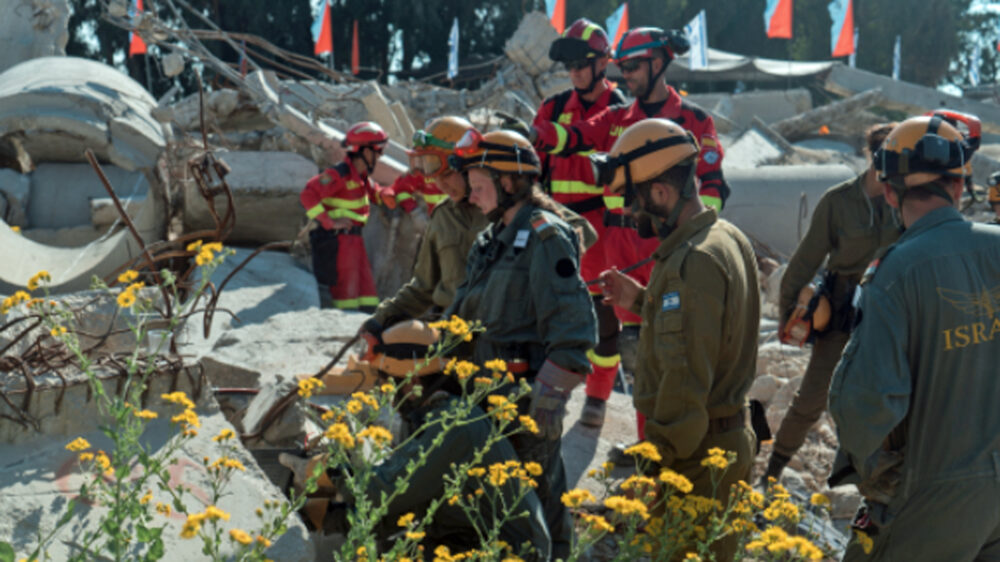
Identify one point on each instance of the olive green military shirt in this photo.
(698, 338)
(925, 355)
(440, 266)
(849, 227)
(523, 282)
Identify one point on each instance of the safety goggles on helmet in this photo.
(605, 166)
(423, 139)
(474, 151)
(933, 154)
(427, 164)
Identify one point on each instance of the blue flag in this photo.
(697, 35)
(453, 50)
(974, 68)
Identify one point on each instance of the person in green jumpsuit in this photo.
(850, 223)
(523, 283)
(914, 396)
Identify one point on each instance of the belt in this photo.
(355, 230)
(587, 205)
(728, 423)
(612, 219)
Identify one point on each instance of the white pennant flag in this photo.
(974, 68)
(697, 35)
(453, 50)
(852, 59)
(896, 56)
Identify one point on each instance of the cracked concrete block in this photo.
(265, 187)
(529, 46)
(173, 64)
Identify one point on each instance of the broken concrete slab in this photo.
(529, 46)
(757, 146)
(768, 105)
(73, 186)
(265, 188)
(32, 29)
(15, 188)
(770, 202)
(904, 96)
(807, 123)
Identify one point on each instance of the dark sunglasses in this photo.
(577, 64)
(630, 65)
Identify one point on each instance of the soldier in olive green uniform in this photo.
(850, 223)
(700, 311)
(915, 394)
(454, 224)
(400, 353)
(523, 283)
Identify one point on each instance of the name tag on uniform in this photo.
(671, 301)
(521, 240)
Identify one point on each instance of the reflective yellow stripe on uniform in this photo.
(561, 134)
(346, 203)
(603, 360)
(403, 197)
(315, 211)
(614, 202)
(576, 187)
(435, 199)
(712, 201)
(356, 302)
(348, 214)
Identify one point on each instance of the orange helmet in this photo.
(501, 151)
(433, 146)
(921, 150)
(404, 348)
(644, 151)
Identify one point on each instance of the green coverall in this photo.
(850, 227)
(915, 394)
(523, 282)
(698, 350)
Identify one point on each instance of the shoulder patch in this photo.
(542, 226)
(325, 178)
(707, 140)
(670, 301)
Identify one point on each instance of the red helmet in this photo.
(640, 42)
(582, 40)
(365, 133)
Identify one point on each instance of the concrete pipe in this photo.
(51, 110)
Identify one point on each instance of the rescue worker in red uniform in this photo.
(406, 188)
(338, 200)
(643, 55)
(585, 51)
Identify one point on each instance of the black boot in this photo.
(775, 465)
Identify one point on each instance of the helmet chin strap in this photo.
(505, 200)
(595, 78)
(657, 224)
(644, 97)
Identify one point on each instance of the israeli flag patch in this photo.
(671, 301)
(521, 240)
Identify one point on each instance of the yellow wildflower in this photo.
(715, 462)
(678, 481)
(477, 472)
(264, 541)
(453, 500)
(576, 497)
(450, 366)
(223, 435)
(214, 513)
(819, 500)
(405, 520)
(194, 246)
(126, 299)
(388, 388)
(501, 407)
(498, 365)
(482, 381)
(597, 522)
(102, 460)
(528, 423)
(782, 508)
(145, 499)
(240, 536)
(86, 457)
(415, 535)
(340, 433)
(379, 435)
(191, 526)
(162, 508)
(15, 229)
(128, 276)
(145, 414)
(178, 398)
(641, 484)
(187, 418)
(58, 331)
(328, 415)
(213, 247)
(465, 369)
(308, 386)
(38, 278)
(362, 552)
(533, 468)
(625, 506)
(367, 399)
(864, 540)
(78, 444)
(354, 407)
(646, 450)
(692, 556)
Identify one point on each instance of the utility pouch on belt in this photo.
(324, 255)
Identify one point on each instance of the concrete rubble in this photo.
(782, 153)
